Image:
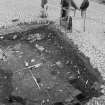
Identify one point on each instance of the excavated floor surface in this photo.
(40, 66)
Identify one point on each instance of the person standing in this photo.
(43, 3)
(64, 8)
(83, 8)
(44, 8)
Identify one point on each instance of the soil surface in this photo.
(40, 66)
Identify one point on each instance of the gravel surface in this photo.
(97, 59)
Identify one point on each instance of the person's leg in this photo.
(69, 28)
(74, 12)
(83, 13)
(45, 9)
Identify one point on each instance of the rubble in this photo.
(41, 48)
(59, 64)
(26, 63)
(48, 80)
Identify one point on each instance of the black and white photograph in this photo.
(52, 52)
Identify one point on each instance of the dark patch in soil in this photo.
(5, 84)
(59, 49)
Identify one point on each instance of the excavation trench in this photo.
(40, 66)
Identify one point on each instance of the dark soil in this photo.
(63, 68)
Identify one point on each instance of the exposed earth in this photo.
(40, 66)
(91, 43)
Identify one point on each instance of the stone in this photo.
(41, 48)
